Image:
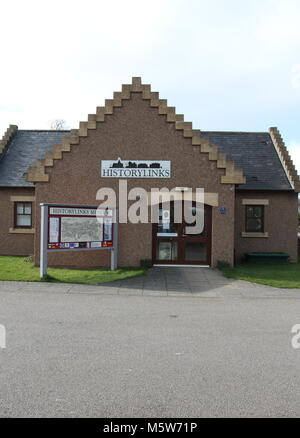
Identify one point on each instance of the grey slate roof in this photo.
(23, 151)
(253, 152)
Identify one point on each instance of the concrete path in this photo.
(212, 348)
(162, 282)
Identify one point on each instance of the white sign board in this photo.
(63, 211)
(53, 230)
(135, 169)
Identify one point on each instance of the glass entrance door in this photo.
(173, 245)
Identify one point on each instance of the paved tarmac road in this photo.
(213, 347)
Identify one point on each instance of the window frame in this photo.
(262, 217)
(16, 214)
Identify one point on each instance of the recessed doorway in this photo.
(173, 245)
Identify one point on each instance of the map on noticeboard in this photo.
(80, 228)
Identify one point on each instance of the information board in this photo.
(73, 228)
(77, 228)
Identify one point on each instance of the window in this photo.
(23, 214)
(255, 218)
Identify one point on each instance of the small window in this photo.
(255, 218)
(23, 215)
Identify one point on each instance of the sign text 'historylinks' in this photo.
(135, 169)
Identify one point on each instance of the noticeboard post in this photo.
(70, 228)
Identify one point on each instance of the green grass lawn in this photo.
(283, 275)
(22, 269)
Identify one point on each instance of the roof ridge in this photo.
(232, 175)
(44, 130)
(202, 130)
(235, 132)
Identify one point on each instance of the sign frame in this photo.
(45, 219)
(135, 169)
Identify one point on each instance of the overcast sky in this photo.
(224, 64)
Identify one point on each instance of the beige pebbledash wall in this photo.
(135, 131)
(19, 244)
(281, 221)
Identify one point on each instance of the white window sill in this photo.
(256, 235)
(21, 231)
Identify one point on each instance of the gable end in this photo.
(232, 175)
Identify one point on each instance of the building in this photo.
(251, 185)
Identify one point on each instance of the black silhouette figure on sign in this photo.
(134, 165)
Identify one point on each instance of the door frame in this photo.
(181, 239)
